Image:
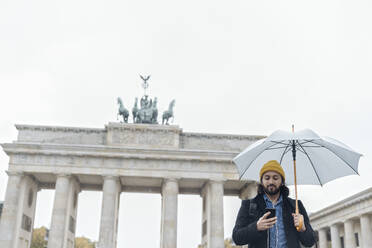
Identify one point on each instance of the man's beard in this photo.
(273, 191)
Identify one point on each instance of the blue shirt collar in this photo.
(280, 200)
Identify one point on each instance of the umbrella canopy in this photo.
(319, 159)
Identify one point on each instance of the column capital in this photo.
(322, 229)
(171, 179)
(114, 178)
(210, 182)
(169, 184)
(216, 181)
(249, 190)
(336, 224)
(365, 215)
(249, 184)
(109, 176)
(349, 221)
(75, 179)
(15, 173)
(66, 175)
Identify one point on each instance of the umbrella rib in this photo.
(305, 141)
(285, 151)
(298, 149)
(277, 148)
(278, 142)
(338, 157)
(254, 160)
(311, 162)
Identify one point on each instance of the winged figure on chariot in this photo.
(148, 110)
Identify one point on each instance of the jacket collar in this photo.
(260, 201)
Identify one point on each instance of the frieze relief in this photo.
(142, 128)
(143, 136)
(156, 140)
(217, 142)
(40, 159)
(97, 157)
(58, 129)
(252, 138)
(124, 166)
(60, 135)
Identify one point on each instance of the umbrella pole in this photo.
(299, 227)
(300, 224)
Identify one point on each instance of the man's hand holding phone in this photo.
(267, 220)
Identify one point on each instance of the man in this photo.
(253, 226)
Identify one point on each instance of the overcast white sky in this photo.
(239, 67)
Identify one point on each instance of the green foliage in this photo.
(82, 242)
(229, 244)
(38, 238)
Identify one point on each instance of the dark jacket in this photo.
(245, 230)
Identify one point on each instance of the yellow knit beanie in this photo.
(272, 165)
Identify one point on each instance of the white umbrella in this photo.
(319, 159)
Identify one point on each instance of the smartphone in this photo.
(272, 212)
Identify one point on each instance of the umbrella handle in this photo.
(299, 227)
(301, 222)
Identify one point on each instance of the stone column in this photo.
(248, 191)
(217, 230)
(169, 214)
(59, 214)
(335, 236)
(323, 238)
(110, 212)
(10, 210)
(70, 227)
(349, 234)
(212, 222)
(26, 212)
(365, 226)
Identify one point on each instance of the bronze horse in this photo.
(122, 111)
(168, 113)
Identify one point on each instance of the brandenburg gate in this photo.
(121, 157)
